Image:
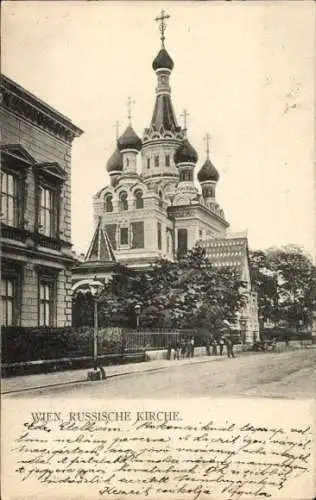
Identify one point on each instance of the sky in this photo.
(245, 71)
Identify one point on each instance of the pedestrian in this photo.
(221, 345)
(169, 349)
(207, 346)
(214, 347)
(230, 347)
(182, 348)
(187, 348)
(192, 347)
(177, 350)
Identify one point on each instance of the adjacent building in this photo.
(37, 257)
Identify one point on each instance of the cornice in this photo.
(21, 102)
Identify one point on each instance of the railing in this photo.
(134, 340)
(13, 233)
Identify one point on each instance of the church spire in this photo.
(163, 116)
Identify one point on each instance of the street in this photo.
(288, 374)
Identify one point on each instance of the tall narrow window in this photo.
(108, 203)
(139, 202)
(9, 201)
(123, 201)
(167, 160)
(156, 160)
(124, 236)
(182, 241)
(159, 235)
(148, 162)
(45, 304)
(160, 199)
(46, 212)
(7, 298)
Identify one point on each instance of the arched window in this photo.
(108, 205)
(139, 202)
(123, 201)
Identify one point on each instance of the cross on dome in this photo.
(185, 115)
(117, 128)
(162, 25)
(130, 102)
(207, 144)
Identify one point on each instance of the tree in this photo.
(296, 284)
(285, 281)
(264, 281)
(189, 293)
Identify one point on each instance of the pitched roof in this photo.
(100, 247)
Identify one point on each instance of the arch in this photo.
(123, 203)
(108, 202)
(139, 200)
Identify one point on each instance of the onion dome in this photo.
(185, 153)
(115, 162)
(129, 140)
(208, 172)
(162, 60)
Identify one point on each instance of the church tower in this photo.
(164, 135)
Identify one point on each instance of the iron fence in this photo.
(134, 340)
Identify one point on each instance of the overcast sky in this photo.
(245, 72)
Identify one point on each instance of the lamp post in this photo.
(137, 313)
(96, 288)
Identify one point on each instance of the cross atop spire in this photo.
(117, 128)
(207, 144)
(130, 102)
(185, 115)
(162, 26)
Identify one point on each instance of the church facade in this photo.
(153, 207)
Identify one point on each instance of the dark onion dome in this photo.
(162, 60)
(129, 140)
(115, 162)
(208, 172)
(185, 153)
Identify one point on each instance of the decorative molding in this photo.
(26, 105)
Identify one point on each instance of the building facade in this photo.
(159, 203)
(36, 146)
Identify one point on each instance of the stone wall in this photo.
(44, 145)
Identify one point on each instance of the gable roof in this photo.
(53, 169)
(100, 249)
(17, 152)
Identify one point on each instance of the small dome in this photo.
(162, 60)
(208, 172)
(129, 140)
(115, 162)
(185, 153)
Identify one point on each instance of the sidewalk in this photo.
(28, 382)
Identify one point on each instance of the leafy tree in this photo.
(285, 281)
(189, 293)
(265, 283)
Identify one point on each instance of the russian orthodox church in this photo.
(153, 206)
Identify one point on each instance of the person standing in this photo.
(214, 347)
(192, 347)
(230, 347)
(207, 346)
(177, 350)
(221, 345)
